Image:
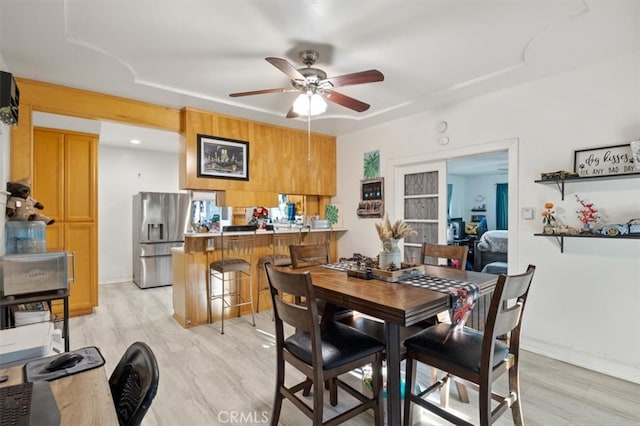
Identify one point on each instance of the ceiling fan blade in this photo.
(291, 113)
(286, 67)
(262, 92)
(369, 76)
(345, 101)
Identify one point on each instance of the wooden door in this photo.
(48, 172)
(80, 177)
(65, 174)
(80, 239)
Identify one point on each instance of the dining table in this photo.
(397, 304)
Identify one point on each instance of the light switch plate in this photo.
(528, 213)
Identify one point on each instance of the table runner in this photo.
(463, 294)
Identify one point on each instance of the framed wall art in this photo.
(371, 198)
(605, 161)
(222, 158)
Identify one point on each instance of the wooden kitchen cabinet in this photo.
(65, 182)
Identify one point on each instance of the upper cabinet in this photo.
(281, 160)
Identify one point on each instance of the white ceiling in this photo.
(195, 52)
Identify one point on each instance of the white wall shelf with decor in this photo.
(560, 182)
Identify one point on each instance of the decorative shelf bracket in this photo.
(560, 185)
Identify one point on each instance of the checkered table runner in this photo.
(340, 266)
(463, 294)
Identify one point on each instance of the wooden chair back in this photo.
(431, 253)
(308, 255)
(505, 312)
(301, 315)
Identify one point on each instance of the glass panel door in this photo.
(423, 205)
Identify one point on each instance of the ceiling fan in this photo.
(310, 81)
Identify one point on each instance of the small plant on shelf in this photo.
(548, 218)
(587, 215)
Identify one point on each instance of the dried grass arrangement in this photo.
(396, 231)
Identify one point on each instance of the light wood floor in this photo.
(212, 379)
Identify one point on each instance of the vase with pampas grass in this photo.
(390, 234)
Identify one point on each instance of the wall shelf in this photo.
(560, 183)
(560, 237)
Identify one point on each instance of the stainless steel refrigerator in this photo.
(159, 223)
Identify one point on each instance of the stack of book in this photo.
(31, 313)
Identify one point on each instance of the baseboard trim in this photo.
(620, 370)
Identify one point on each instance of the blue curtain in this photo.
(502, 206)
(449, 194)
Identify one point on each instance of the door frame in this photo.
(511, 145)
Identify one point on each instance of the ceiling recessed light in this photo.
(135, 141)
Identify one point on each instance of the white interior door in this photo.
(421, 200)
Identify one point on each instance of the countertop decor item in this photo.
(260, 217)
(390, 235)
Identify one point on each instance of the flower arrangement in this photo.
(259, 214)
(587, 214)
(548, 213)
(396, 231)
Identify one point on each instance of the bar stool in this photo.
(234, 265)
(279, 256)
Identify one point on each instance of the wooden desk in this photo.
(45, 296)
(396, 304)
(83, 398)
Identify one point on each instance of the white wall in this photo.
(582, 307)
(122, 173)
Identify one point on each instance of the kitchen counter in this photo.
(190, 266)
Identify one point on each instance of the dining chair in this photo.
(308, 255)
(479, 358)
(279, 243)
(456, 256)
(134, 383)
(233, 266)
(322, 352)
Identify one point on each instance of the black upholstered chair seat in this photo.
(463, 347)
(341, 345)
(230, 265)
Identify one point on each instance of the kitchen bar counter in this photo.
(190, 266)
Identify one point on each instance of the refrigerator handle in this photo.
(155, 232)
(72, 255)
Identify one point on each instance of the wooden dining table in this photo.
(398, 305)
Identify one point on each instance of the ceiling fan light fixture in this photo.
(309, 104)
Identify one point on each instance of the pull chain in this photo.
(309, 132)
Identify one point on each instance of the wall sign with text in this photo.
(605, 161)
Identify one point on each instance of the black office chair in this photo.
(322, 352)
(134, 383)
(477, 357)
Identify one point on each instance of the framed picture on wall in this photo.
(371, 198)
(223, 158)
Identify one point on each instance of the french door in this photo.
(421, 200)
